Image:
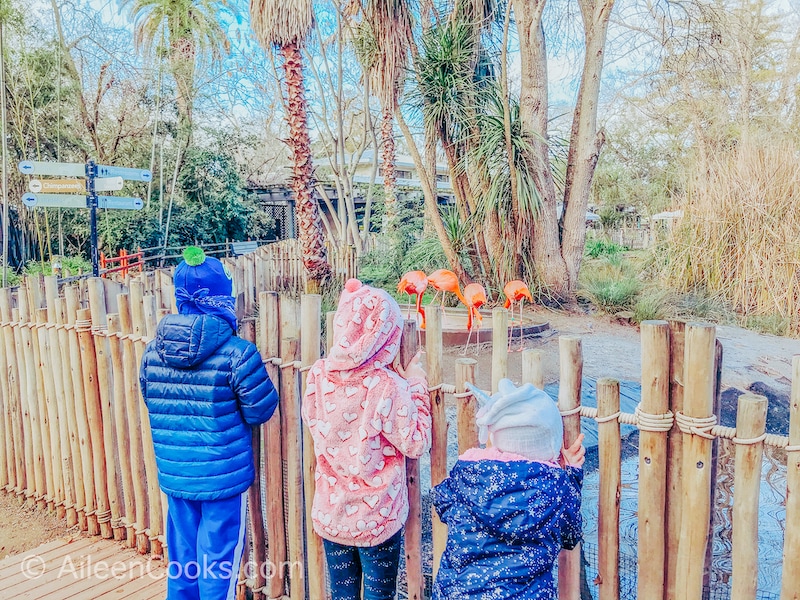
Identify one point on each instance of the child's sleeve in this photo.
(253, 387)
(572, 522)
(442, 499)
(407, 417)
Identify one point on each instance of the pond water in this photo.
(771, 523)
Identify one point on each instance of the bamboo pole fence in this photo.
(76, 436)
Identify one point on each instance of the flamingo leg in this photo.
(521, 306)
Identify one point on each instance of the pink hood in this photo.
(367, 327)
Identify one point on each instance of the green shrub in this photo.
(598, 247)
(75, 265)
(774, 324)
(612, 294)
(651, 305)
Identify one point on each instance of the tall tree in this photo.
(286, 25)
(558, 242)
(390, 23)
(190, 29)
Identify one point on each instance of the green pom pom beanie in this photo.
(203, 285)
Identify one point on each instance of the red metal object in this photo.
(126, 261)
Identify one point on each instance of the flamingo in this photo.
(445, 281)
(475, 297)
(414, 284)
(516, 291)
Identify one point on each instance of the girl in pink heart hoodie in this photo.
(365, 417)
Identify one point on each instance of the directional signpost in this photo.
(93, 178)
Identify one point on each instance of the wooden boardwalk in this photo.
(82, 569)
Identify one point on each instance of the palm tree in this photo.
(390, 23)
(190, 29)
(286, 24)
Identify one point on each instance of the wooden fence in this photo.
(77, 439)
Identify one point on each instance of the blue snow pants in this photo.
(205, 541)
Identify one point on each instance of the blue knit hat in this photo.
(204, 286)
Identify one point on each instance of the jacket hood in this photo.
(366, 329)
(183, 341)
(512, 500)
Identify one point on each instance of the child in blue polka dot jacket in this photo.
(511, 507)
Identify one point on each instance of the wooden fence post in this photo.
(609, 447)
(137, 536)
(434, 352)
(123, 448)
(99, 319)
(53, 454)
(11, 383)
(499, 346)
(569, 400)
(30, 409)
(311, 336)
(95, 419)
(698, 402)
(70, 447)
(751, 419)
(677, 331)
(292, 436)
(269, 333)
(6, 445)
(653, 459)
(88, 506)
(39, 399)
(790, 580)
(140, 323)
(59, 439)
(532, 371)
(467, 406)
(413, 528)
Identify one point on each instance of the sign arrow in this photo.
(54, 200)
(57, 186)
(119, 203)
(124, 172)
(36, 167)
(108, 184)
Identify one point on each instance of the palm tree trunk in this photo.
(389, 175)
(309, 225)
(182, 63)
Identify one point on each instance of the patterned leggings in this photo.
(378, 565)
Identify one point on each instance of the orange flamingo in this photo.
(414, 284)
(445, 281)
(475, 297)
(516, 291)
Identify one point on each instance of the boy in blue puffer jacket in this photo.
(510, 508)
(204, 388)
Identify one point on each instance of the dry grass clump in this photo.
(739, 238)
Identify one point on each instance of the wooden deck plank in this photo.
(138, 574)
(11, 564)
(80, 570)
(50, 556)
(138, 589)
(60, 574)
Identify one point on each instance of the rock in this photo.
(624, 317)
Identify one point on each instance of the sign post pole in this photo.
(91, 197)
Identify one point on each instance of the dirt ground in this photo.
(609, 349)
(23, 527)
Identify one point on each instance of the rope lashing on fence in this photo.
(103, 517)
(292, 363)
(83, 324)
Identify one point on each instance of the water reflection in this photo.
(771, 522)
